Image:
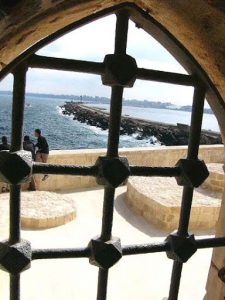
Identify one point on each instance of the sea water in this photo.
(62, 132)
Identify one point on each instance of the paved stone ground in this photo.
(133, 278)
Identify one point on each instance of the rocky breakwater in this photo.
(163, 133)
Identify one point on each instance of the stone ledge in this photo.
(216, 179)
(42, 210)
(158, 201)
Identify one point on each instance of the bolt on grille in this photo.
(118, 71)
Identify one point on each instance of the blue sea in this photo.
(62, 132)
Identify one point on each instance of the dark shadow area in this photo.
(136, 221)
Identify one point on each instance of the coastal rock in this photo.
(165, 134)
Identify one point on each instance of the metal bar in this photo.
(60, 253)
(122, 23)
(166, 77)
(73, 65)
(63, 64)
(14, 287)
(102, 284)
(196, 122)
(114, 120)
(175, 280)
(154, 171)
(145, 248)
(16, 144)
(107, 218)
(187, 196)
(211, 242)
(40, 168)
(19, 86)
(14, 213)
(192, 153)
(113, 143)
(127, 249)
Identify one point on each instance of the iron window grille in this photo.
(118, 71)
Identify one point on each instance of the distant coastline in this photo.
(105, 100)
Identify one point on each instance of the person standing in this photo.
(28, 145)
(42, 149)
(4, 145)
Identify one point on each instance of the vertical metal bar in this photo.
(19, 86)
(192, 153)
(114, 121)
(117, 91)
(102, 284)
(16, 144)
(14, 230)
(113, 143)
(107, 218)
(187, 196)
(14, 287)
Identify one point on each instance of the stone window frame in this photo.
(111, 170)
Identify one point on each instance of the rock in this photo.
(165, 134)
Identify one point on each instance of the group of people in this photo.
(39, 151)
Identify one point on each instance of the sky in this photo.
(93, 42)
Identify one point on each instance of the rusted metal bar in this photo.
(210, 242)
(72, 65)
(19, 87)
(112, 147)
(40, 168)
(63, 64)
(60, 253)
(166, 77)
(154, 171)
(16, 144)
(114, 121)
(14, 286)
(187, 196)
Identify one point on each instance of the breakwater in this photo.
(163, 133)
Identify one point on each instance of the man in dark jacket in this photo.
(29, 146)
(42, 149)
(4, 145)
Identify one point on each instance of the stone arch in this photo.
(198, 25)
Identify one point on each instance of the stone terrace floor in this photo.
(134, 277)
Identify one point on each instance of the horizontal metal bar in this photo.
(166, 77)
(63, 64)
(127, 250)
(73, 65)
(210, 242)
(41, 168)
(60, 253)
(145, 248)
(155, 171)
